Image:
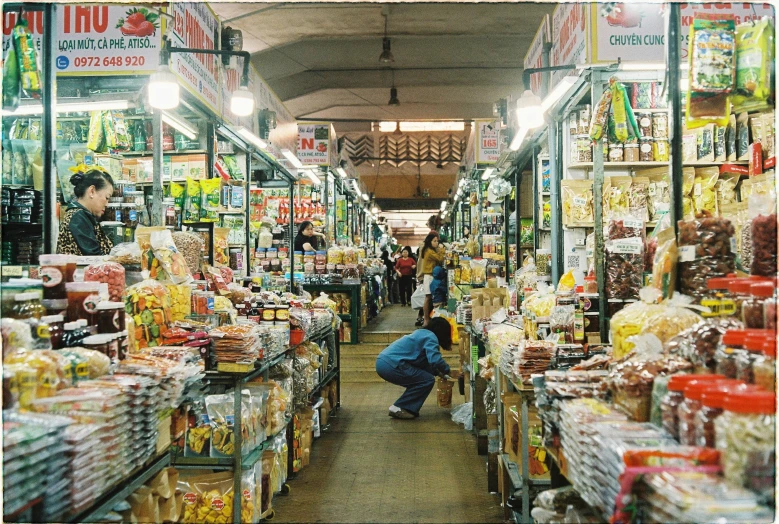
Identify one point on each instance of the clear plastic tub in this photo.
(765, 369)
(731, 344)
(670, 403)
(691, 405)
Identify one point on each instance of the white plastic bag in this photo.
(418, 298)
(463, 414)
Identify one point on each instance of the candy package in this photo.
(110, 273)
(703, 191)
(210, 191)
(148, 303)
(12, 85)
(221, 245)
(28, 59)
(754, 62)
(577, 202)
(193, 203)
(169, 257)
(763, 225)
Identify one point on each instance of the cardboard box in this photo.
(179, 167)
(145, 171)
(130, 169)
(163, 437)
(197, 167)
(111, 163)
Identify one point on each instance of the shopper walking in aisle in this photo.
(413, 362)
(405, 268)
(432, 223)
(80, 232)
(391, 279)
(431, 256)
(307, 239)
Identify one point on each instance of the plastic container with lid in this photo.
(691, 405)
(282, 314)
(645, 151)
(631, 152)
(718, 298)
(731, 344)
(130, 215)
(670, 404)
(753, 346)
(73, 334)
(745, 434)
(616, 152)
(110, 317)
(83, 298)
(712, 400)
(56, 325)
(98, 343)
(27, 305)
(764, 369)
(753, 308)
(740, 290)
(53, 272)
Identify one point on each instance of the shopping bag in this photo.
(418, 298)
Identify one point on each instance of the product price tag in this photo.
(733, 246)
(627, 247)
(698, 190)
(686, 253)
(579, 201)
(635, 223)
(12, 271)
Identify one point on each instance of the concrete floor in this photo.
(369, 467)
(393, 318)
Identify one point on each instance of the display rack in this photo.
(355, 310)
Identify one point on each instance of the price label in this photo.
(12, 271)
(579, 201)
(636, 223)
(686, 253)
(626, 247)
(698, 190)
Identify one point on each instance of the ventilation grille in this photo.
(415, 149)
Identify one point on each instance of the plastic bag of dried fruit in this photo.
(762, 217)
(191, 247)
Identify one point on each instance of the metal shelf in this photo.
(123, 490)
(176, 152)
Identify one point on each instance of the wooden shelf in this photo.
(618, 165)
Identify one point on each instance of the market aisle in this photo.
(371, 468)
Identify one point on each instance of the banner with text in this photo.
(488, 146)
(314, 144)
(570, 30)
(195, 25)
(636, 32)
(98, 39)
(534, 55)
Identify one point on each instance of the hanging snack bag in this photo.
(169, 257)
(754, 61)
(120, 130)
(211, 188)
(577, 202)
(688, 181)
(703, 191)
(96, 136)
(762, 214)
(28, 59)
(11, 81)
(221, 257)
(193, 202)
(600, 115)
(712, 70)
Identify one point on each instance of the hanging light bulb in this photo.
(163, 89)
(386, 55)
(242, 102)
(393, 101)
(530, 114)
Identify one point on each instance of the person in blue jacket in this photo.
(413, 362)
(438, 287)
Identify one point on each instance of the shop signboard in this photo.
(195, 25)
(314, 143)
(636, 31)
(98, 39)
(534, 55)
(570, 30)
(488, 142)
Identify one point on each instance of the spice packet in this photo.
(577, 201)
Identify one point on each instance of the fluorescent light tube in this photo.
(295, 161)
(252, 138)
(641, 66)
(365, 197)
(375, 210)
(184, 128)
(558, 92)
(71, 107)
(389, 127)
(443, 205)
(315, 179)
(487, 173)
(341, 172)
(519, 138)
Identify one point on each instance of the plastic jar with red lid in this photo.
(753, 308)
(670, 403)
(740, 290)
(718, 300)
(753, 346)
(712, 400)
(764, 369)
(689, 407)
(731, 344)
(745, 434)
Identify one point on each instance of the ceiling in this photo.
(452, 62)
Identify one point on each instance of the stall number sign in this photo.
(195, 25)
(489, 149)
(98, 39)
(313, 144)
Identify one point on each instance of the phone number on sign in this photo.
(109, 61)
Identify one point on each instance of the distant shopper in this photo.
(405, 268)
(413, 362)
(438, 287)
(307, 239)
(466, 232)
(391, 280)
(432, 255)
(80, 232)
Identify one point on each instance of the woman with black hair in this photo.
(80, 232)
(307, 239)
(413, 362)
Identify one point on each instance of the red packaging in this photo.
(755, 159)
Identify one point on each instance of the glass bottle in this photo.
(139, 142)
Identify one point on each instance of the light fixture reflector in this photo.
(294, 160)
(252, 138)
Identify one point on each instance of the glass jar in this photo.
(73, 334)
(543, 261)
(753, 308)
(660, 126)
(298, 258)
(309, 268)
(113, 212)
(70, 272)
(740, 289)
(631, 152)
(583, 149)
(309, 257)
(669, 405)
(124, 344)
(645, 150)
(129, 215)
(56, 329)
(616, 152)
(27, 305)
(98, 343)
(764, 369)
(691, 405)
(745, 435)
(660, 150)
(731, 344)
(110, 317)
(320, 258)
(769, 312)
(283, 252)
(53, 273)
(169, 211)
(712, 400)
(269, 313)
(644, 121)
(281, 315)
